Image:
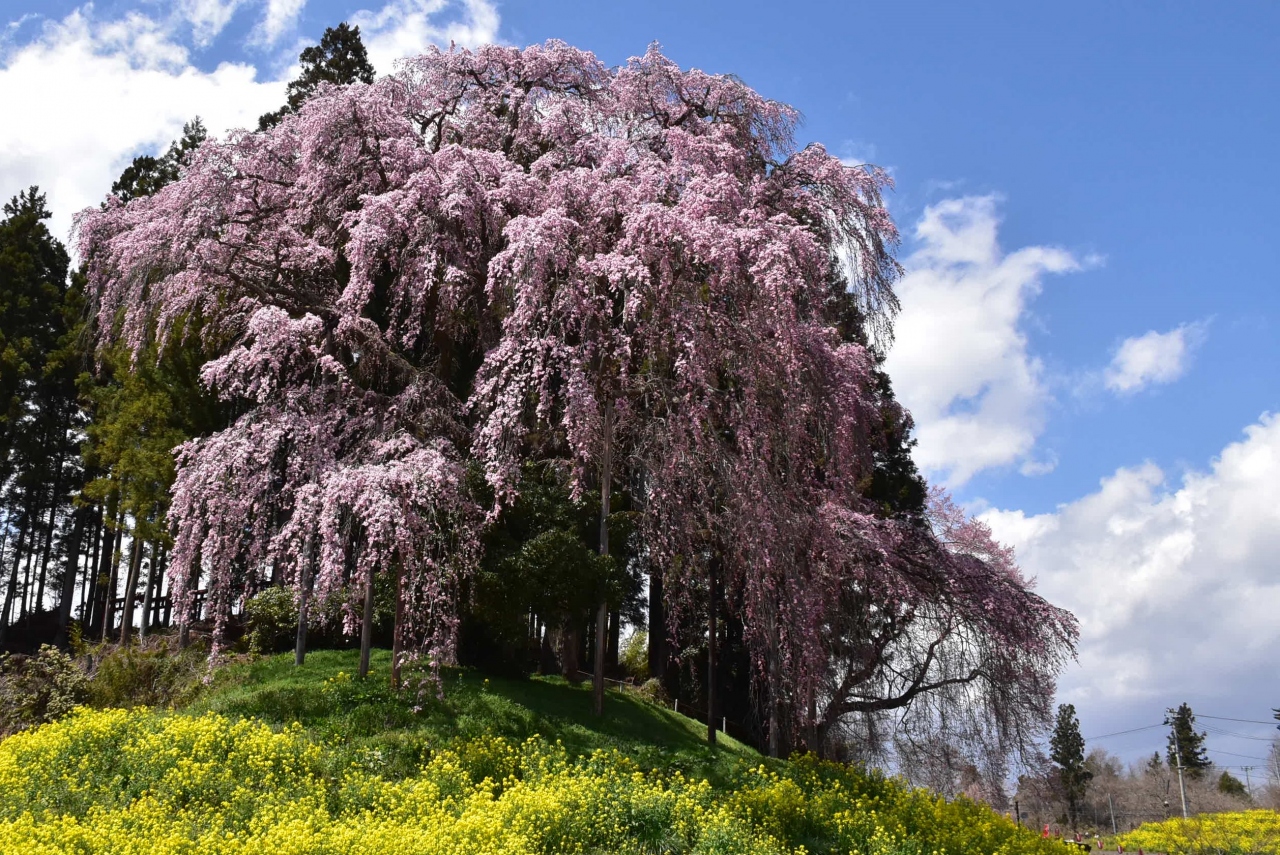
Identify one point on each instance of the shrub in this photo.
(272, 621)
(634, 656)
(653, 690)
(38, 689)
(152, 673)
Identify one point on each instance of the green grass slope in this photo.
(366, 720)
(273, 759)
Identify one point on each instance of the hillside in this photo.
(275, 759)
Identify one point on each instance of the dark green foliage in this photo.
(141, 411)
(1232, 786)
(271, 621)
(147, 174)
(33, 287)
(339, 59)
(1183, 737)
(271, 618)
(40, 311)
(1066, 750)
(541, 558)
(38, 689)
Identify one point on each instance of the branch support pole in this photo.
(602, 610)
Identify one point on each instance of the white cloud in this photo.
(1146, 360)
(1175, 587)
(960, 361)
(406, 27)
(207, 18)
(86, 96)
(280, 17)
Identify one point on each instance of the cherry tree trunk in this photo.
(774, 697)
(602, 610)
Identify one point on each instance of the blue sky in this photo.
(1087, 197)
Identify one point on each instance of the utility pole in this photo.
(1112, 806)
(1248, 785)
(1177, 749)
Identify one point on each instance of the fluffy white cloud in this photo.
(207, 18)
(406, 27)
(1175, 586)
(960, 361)
(87, 94)
(1155, 357)
(278, 20)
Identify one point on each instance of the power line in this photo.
(1244, 720)
(1233, 754)
(1221, 732)
(1122, 732)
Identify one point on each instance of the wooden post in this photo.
(304, 597)
(602, 610)
(397, 639)
(711, 649)
(366, 627)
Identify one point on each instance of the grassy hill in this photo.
(362, 720)
(270, 759)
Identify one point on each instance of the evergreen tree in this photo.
(340, 59)
(39, 419)
(1183, 737)
(1067, 752)
(1232, 786)
(141, 410)
(33, 281)
(148, 174)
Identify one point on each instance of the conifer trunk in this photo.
(91, 569)
(148, 592)
(131, 585)
(38, 605)
(657, 627)
(12, 588)
(71, 570)
(113, 580)
(602, 611)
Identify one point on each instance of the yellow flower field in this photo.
(113, 781)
